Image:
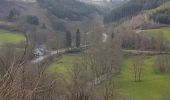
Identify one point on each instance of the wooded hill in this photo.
(132, 8)
(160, 14)
(70, 9)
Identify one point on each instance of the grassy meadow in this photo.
(152, 87)
(10, 37)
(62, 66)
(156, 32)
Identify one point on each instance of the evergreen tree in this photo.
(68, 39)
(112, 35)
(44, 26)
(162, 16)
(11, 15)
(33, 20)
(78, 38)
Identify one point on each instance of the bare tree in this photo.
(109, 92)
(78, 88)
(20, 79)
(160, 42)
(138, 68)
(162, 64)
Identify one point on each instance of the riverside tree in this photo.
(68, 39)
(138, 68)
(78, 38)
(20, 79)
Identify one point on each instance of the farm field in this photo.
(10, 37)
(156, 32)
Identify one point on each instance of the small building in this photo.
(39, 51)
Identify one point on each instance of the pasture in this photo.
(10, 37)
(165, 32)
(153, 85)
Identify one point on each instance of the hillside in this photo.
(132, 8)
(67, 9)
(45, 18)
(14, 12)
(160, 14)
(52, 13)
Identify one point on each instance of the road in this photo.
(6, 23)
(138, 52)
(61, 51)
(133, 52)
(52, 53)
(55, 52)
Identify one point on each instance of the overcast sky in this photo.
(97, 0)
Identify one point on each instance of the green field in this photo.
(10, 37)
(62, 67)
(152, 87)
(63, 64)
(156, 32)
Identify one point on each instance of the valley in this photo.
(84, 50)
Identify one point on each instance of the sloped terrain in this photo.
(160, 14)
(132, 8)
(71, 9)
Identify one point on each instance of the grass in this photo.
(63, 64)
(152, 87)
(156, 32)
(10, 37)
(62, 67)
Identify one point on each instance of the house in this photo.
(39, 51)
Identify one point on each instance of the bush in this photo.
(32, 20)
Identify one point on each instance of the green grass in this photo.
(152, 86)
(10, 37)
(156, 32)
(63, 65)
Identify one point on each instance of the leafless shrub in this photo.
(19, 79)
